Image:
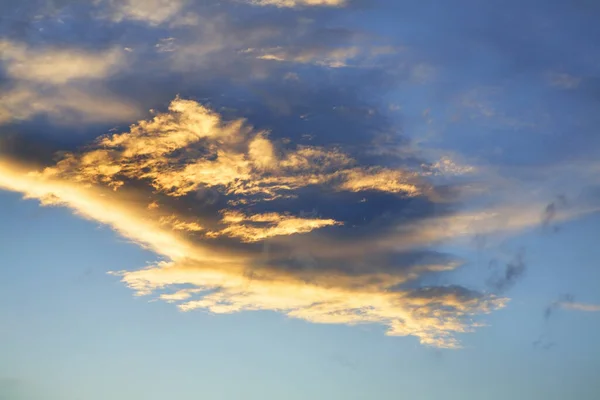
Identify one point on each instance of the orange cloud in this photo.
(217, 262)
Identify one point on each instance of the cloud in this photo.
(563, 80)
(326, 55)
(299, 3)
(226, 286)
(192, 147)
(505, 278)
(254, 262)
(152, 12)
(62, 83)
(567, 302)
(580, 306)
(64, 105)
(333, 58)
(255, 228)
(550, 211)
(56, 65)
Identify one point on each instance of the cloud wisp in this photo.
(299, 3)
(61, 82)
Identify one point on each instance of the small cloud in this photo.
(299, 3)
(422, 73)
(563, 80)
(258, 227)
(327, 57)
(447, 167)
(551, 211)
(505, 278)
(580, 306)
(166, 45)
(543, 343)
(152, 12)
(65, 105)
(291, 76)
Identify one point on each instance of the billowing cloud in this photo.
(191, 147)
(249, 257)
(228, 282)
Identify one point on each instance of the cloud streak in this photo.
(57, 66)
(299, 3)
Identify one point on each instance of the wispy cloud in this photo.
(563, 80)
(580, 306)
(334, 58)
(152, 12)
(58, 65)
(254, 228)
(299, 3)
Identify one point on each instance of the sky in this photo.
(299, 199)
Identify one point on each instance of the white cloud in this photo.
(58, 66)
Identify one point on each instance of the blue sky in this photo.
(299, 199)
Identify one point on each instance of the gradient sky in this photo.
(299, 199)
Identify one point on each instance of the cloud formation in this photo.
(191, 147)
(144, 182)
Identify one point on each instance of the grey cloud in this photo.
(551, 210)
(504, 278)
(551, 309)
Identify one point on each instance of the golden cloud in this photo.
(254, 228)
(191, 147)
(137, 182)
